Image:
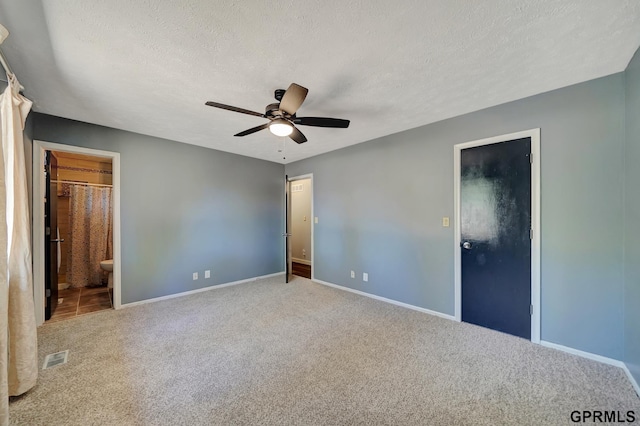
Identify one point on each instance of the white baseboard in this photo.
(199, 290)
(384, 299)
(635, 385)
(303, 261)
(583, 354)
(595, 357)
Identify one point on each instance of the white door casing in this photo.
(534, 134)
(39, 147)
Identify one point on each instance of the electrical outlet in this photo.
(445, 222)
(353, 274)
(195, 276)
(207, 274)
(365, 277)
(315, 219)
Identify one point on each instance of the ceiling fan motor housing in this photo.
(272, 110)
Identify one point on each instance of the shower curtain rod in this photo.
(7, 68)
(5, 65)
(70, 182)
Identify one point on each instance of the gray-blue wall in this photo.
(380, 206)
(185, 209)
(632, 219)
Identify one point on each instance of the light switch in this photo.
(445, 222)
(316, 219)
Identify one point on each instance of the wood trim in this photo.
(85, 170)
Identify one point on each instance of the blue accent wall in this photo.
(632, 220)
(380, 206)
(185, 209)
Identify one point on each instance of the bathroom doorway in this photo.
(75, 231)
(301, 226)
(83, 237)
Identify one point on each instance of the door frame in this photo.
(39, 147)
(313, 220)
(534, 134)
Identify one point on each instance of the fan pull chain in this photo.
(282, 150)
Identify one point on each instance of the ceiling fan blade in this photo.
(253, 130)
(297, 136)
(293, 98)
(232, 108)
(322, 122)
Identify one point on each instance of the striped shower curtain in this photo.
(91, 234)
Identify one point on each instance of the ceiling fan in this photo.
(282, 115)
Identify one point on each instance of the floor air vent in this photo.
(58, 358)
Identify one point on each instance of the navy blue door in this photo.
(495, 218)
(51, 240)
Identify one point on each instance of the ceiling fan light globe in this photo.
(281, 127)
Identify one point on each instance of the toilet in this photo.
(107, 265)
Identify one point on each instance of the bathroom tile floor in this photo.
(78, 301)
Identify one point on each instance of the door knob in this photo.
(466, 245)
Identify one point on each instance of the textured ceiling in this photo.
(149, 66)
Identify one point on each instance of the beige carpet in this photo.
(301, 353)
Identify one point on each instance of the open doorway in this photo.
(78, 234)
(300, 226)
(76, 231)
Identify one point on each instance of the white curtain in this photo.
(18, 338)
